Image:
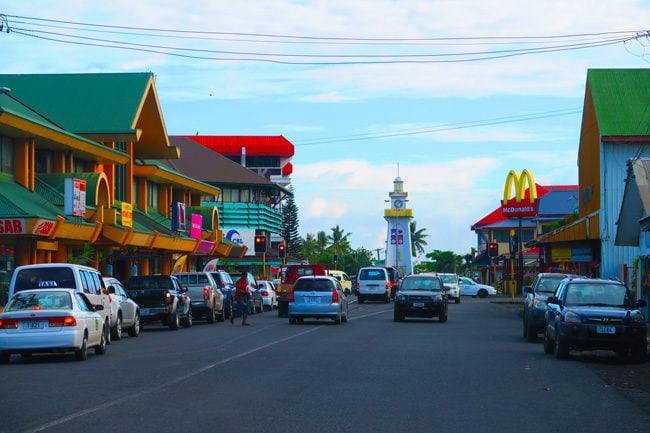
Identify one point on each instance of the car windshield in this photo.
(449, 279)
(42, 300)
(313, 285)
(597, 295)
(548, 284)
(44, 277)
(421, 284)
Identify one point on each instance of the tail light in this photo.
(358, 285)
(206, 293)
(168, 298)
(265, 293)
(62, 321)
(335, 297)
(388, 286)
(8, 324)
(292, 297)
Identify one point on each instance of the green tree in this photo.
(308, 248)
(338, 241)
(290, 223)
(322, 241)
(441, 261)
(417, 239)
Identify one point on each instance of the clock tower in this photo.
(398, 236)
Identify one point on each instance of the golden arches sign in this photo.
(514, 207)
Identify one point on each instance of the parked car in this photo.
(266, 290)
(544, 285)
(421, 295)
(373, 283)
(452, 281)
(469, 287)
(51, 321)
(125, 313)
(83, 279)
(161, 298)
(590, 314)
(227, 287)
(343, 278)
(255, 298)
(319, 297)
(205, 295)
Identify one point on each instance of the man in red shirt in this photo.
(241, 296)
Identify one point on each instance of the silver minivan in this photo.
(373, 283)
(82, 278)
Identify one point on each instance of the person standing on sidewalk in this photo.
(241, 296)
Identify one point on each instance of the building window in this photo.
(230, 195)
(120, 174)
(245, 195)
(152, 195)
(43, 161)
(7, 155)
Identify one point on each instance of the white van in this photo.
(373, 283)
(83, 279)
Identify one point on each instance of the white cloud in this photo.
(327, 97)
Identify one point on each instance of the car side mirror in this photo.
(111, 290)
(641, 303)
(99, 307)
(528, 289)
(553, 300)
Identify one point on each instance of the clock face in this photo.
(398, 204)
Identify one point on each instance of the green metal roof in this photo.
(621, 98)
(112, 98)
(18, 202)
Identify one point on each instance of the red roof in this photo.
(287, 169)
(256, 145)
(497, 215)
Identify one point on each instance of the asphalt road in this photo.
(473, 373)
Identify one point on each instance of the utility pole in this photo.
(378, 250)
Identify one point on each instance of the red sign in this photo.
(12, 226)
(524, 208)
(43, 227)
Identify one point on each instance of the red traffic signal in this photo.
(260, 244)
(493, 249)
(282, 250)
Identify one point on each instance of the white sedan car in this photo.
(469, 287)
(269, 298)
(51, 321)
(125, 313)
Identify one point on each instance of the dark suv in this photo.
(421, 295)
(594, 314)
(544, 285)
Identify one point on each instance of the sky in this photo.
(435, 91)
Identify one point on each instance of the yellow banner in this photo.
(127, 214)
(179, 265)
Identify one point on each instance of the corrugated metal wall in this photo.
(613, 162)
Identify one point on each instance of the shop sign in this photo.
(518, 206)
(75, 197)
(581, 254)
(178, 216)
(12, 226)
(43, 227)
(127, 214)
(196, 225)
(561, 254)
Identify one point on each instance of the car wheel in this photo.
(300, 320)
(101, 348)
(82, 353)
(397, 316)
(210, 315)
(174, 321)
(561, 346)
(482, 293)
(134, 330)
(5, 357)
(188, 320)
(292, 320)
(549, 346)
(443, 317)
(338, 319)
(116, 331)
(531, 334)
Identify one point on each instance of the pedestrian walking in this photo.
(241, 297)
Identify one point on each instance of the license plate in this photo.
(33, 325)
(313, 300)
(418, 304)
(145, 312)
(606, 330)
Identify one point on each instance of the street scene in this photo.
(379, 216)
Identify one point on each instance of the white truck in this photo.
(205, 295)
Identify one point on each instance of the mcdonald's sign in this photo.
(519, 206)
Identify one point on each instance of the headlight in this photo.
(400, 298)
(539, 304)
(437, 298)
(638, 318)
(571, 317)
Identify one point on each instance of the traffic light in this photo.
(493, 249)
(468, 259)
(282, 250)
(260, 244)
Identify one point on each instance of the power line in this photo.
(442, 128)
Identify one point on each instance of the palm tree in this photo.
(321, 240)
(338, 240)
(308, 247)
(417, 239)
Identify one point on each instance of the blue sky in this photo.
(352, 124)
